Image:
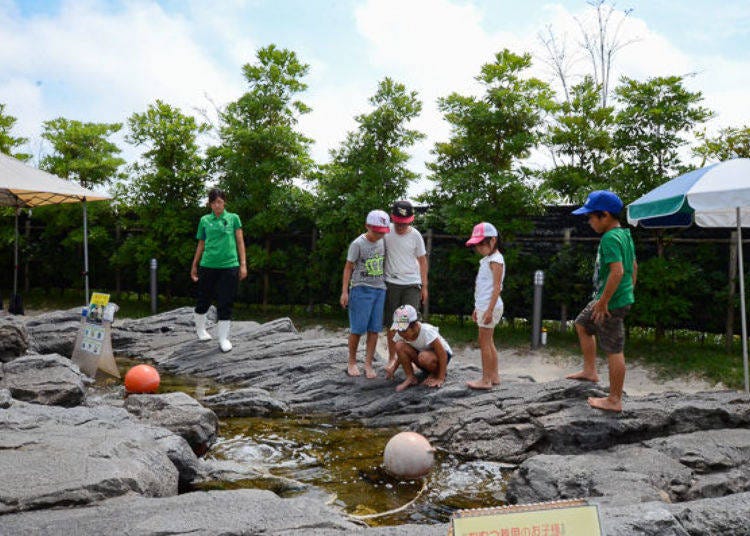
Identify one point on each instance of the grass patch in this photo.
(681, 353)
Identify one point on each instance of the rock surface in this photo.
(179, 413)
(671, 463)
(52, 456)
(14, 340)
(44, 379)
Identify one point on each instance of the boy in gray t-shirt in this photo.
(363, 289)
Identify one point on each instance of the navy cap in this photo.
(601, 200)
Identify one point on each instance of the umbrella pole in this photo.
(742, 301)
(15, 259)
(85, 252)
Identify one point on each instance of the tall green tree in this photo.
(580, 141)
(653, 120)
(166, 193)
(261, 150)
(730, 142)
(369, 169)
(8, 142)
(82, 152)
(261, 153)
(478, 172)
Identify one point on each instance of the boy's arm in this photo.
(346, 279)
(635, 272)
(423, 269)
(601, 307)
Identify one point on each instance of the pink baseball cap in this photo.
(379, 221)
(481, 231)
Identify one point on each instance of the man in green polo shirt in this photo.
(218, 263)
(602, 319)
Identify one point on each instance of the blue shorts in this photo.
(366, 309)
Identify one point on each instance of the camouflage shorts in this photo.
(610, 333)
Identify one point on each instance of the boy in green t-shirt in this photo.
(614, 280)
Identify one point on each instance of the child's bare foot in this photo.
(390, 369)
(408, 382)
(353, 370)
(584, 376)
(605, 404)
(480, 384)
(496, 380)
(370, 372)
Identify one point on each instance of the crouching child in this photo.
(420, 344)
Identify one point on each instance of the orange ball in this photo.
(142, 379)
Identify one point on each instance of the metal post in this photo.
(85, 252)
(536, 323)
(15, 259)
(153, 286)
(742, 301)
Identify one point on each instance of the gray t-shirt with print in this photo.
(368, 258)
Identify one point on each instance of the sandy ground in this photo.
(543, 365)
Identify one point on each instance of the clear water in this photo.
(342, 460)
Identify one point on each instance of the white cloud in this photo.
(94, 63)
(91, 61)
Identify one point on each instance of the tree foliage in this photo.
(368, 171)
(261, 151)
(730, 142)
(82, 152)
(652, 122)
(477, 172)
(165, 194)
(8, 142)
(580, 140)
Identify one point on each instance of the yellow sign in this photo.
(98, 298)
(571, 518)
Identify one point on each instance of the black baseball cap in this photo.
(402, 212)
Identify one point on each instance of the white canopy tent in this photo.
(23, 186)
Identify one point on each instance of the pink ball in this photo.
(408, 455)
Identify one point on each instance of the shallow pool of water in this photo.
(343, 460)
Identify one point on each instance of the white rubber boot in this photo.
(223, 332)
(200, 327)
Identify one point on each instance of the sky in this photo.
(103, 60)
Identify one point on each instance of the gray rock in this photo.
(720, 460)
(247, 402)
(231, 471)
(54, 333)
(179, 413)
(724, 515)
(14, 340)
(240, 512)
(44, 379)
(52, 456)
(517, 420)
(672, 469)
(621, 475)
(5, 399)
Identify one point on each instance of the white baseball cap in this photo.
(379, 221)
(403, 316)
